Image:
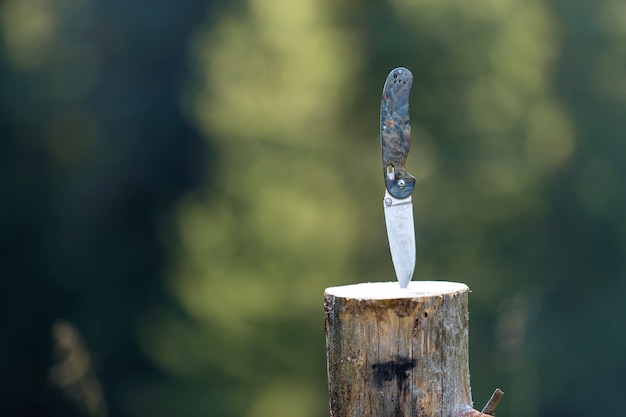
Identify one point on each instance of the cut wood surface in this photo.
(395, 352)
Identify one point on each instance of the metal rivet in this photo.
(399, 71)
(401, 183)
(384, 127)
(388, 201)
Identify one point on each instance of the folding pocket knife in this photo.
(395, 140)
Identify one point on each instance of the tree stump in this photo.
(395, 352)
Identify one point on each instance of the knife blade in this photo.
(395, 140)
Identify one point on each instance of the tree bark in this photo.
(395, 352)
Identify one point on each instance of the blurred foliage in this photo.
(182, 181)
(95, 150)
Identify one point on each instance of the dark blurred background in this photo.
(179, 182)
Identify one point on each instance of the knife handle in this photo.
(395, 132)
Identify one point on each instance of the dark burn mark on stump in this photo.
(398, 371)
(393, 370)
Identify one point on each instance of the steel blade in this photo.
(401, 235)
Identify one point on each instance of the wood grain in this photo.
(398, 352)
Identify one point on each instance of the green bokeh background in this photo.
(181, 181)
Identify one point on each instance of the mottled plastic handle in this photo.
(395, 132)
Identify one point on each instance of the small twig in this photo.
(491, 405)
